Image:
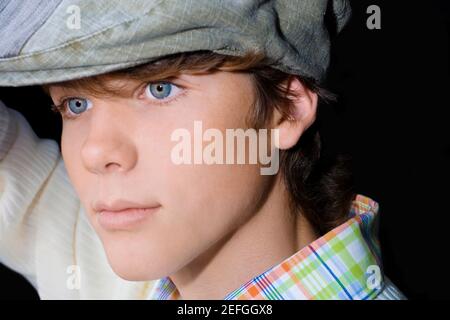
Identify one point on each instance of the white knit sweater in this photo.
(44, 232)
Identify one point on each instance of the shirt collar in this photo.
(345, 263)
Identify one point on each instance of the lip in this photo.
(123, 215)
(125, 219)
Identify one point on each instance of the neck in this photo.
(270, 236)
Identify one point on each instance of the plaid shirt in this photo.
(343, 264)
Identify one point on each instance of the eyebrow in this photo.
(99, 87)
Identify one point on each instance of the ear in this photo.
(302, 117)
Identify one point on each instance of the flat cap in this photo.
(58, 40)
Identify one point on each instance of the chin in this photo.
(135, 270)
(138, 264)
(131, 275)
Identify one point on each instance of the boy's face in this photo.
(119, 149)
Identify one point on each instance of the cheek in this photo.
(71, 154)
(70, 151)
(69, 142)
(205, 201)
(214, 199)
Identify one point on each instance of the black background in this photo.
(391, 117)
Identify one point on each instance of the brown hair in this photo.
(319, 187)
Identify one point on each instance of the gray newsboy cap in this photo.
(44, 41)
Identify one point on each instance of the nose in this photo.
(109, 145)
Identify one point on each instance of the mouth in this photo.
(120, 217)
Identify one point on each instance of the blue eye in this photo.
(78, 105)
(160, 90)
